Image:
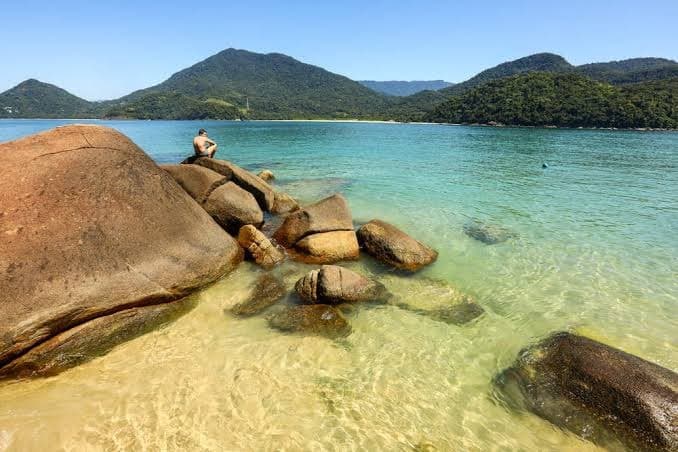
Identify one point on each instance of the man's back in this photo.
(200, 144)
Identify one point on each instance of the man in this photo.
(203, 146)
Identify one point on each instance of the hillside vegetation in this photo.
(569, 100)
(35, 99)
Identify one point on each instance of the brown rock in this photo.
(232, 207)
(329, 247)
(85, 342)
(330, 214)
(92, 227)
(596, 391)
(392, 246)
(283, 203)
(315, 319)
(266, 175)
(261, 191)
(267, 292)
(258, 247)
(199, 182)
(332, 284)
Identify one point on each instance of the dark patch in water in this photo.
(488, 233)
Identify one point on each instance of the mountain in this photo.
(569, 100)
(630, 71)
(402, 88)
(173, 105)
(275, 86)
(545, 62)
(35, 99)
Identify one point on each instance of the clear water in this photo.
(595, 251)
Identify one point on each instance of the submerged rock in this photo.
(266, 175)
(91, 228)
(268, 290)
(332, 284)
(488, 234)
(435, 299)
(317, 319)
(596, 391)
(198, 182)
(392, 246)
(329, 214)
(261, 191)
(232, 207)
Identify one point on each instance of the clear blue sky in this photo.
(104, 49)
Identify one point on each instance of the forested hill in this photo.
(568, 100)
(539, 62)
(630, 71)
(35, 99)
(275, 86)
(403, 88)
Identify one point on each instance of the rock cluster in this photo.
(322, 232)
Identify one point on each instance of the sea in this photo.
(588, 221)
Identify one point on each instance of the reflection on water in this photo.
(593, 249)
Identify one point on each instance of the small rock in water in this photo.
(486, 233)
(457, 314)
(435, 299)
(544, 165)
(267, 292)
(266, 175)
(317, 319)
(390, 245)
(332, 284)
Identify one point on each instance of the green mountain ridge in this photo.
(404, 88)
(275, 86)
(35, 99)
(235, 84)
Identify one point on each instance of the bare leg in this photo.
(213, 150)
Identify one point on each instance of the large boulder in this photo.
(91, 227)
(332, 284)
(329, 247)
(258, 247)
(261, 191)
(232, 207)
(317, 319)
(329, 214)
(199, 182)
(392, 246)
(596, 391)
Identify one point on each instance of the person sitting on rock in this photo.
(203, 146)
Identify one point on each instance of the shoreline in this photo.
(362, 121)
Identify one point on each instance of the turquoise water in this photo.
(595, 250)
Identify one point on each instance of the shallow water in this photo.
(593, 249)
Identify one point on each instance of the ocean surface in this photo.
(592, 248)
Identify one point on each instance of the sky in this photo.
(103, 49)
